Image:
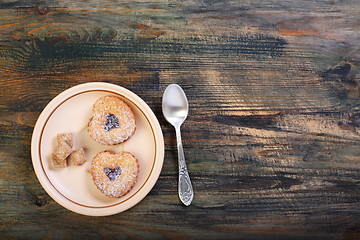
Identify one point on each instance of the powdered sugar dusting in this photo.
(126, 119)
(124, 183)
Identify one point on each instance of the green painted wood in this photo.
(272, 139)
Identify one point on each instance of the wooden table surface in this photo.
(272, 141)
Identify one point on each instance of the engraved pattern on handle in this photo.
(186, 193)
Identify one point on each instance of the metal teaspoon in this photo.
(175, 109)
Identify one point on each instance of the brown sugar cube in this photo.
(77, 157)
(62, 150)
(66, 137)
(57, 162)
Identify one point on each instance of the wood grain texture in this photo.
(272, 140)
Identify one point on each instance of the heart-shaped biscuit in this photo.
(112, 122)
(114, 174)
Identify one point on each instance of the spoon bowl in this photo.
(175, 105)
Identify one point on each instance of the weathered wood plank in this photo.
(272, 139)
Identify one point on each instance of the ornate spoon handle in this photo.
(186, 193)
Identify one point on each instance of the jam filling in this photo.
(111, 122)
(113, 173)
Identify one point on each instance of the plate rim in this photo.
(56, 194)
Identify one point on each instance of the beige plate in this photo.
(72, 186)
